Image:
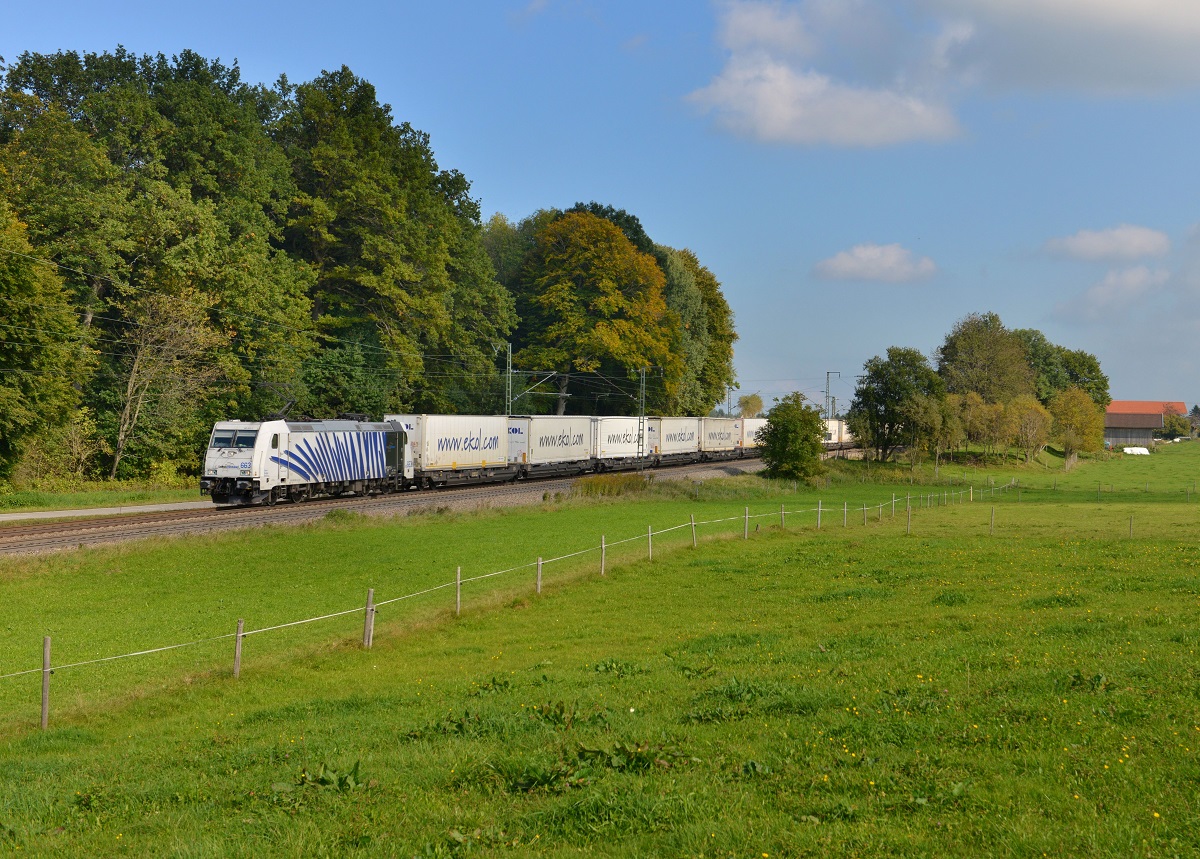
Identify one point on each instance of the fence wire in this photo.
(545, 561)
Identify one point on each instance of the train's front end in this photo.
(233, 464)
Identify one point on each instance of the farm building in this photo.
(1133, 422)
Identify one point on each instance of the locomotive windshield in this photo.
(241, 439)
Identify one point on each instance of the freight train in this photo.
(266, 462)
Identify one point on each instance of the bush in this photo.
(792, 442)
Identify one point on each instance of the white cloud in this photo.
(1125, 242)
(1118, 293)
(881, 72)
(1092, 45)
(775, 103)
(756, 25)
(888, 263)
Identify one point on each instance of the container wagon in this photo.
(453, 449)
(721, 438)
(551, 444)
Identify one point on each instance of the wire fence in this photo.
(907, 503)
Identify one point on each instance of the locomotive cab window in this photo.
(241, 439)
(275, 442)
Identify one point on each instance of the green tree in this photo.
(1046, 363)
(1083, 372)
(342, 380)
(880, 415)
(949, 432)
(40, 349)
(791, 443)
(168, 364)
(717, 375)
(997, 427)
(594, 302)
(688, 325)
(1175, 425)
(395, 242)
(981, 355)
(1078, 423)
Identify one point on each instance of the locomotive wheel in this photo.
(270, 501)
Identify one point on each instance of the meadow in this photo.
(1017, 685)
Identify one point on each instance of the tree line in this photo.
(178, 246)
(994, 387)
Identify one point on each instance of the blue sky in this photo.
(857, 173)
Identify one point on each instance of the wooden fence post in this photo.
(864, 513)
(893, 505)
(782, 517)
(992, 526)
(649, 542)
(539, 579)
(818, 514)
(746, 527)
(458, 592)
(603, 553)
(693, 520)
(237, 650)
(45, 682)
(908, 529)
(845, 513)
(369, 619)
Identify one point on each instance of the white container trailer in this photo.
(457, 448)
(551, 444)
(616, 443)
(721, 438)
(750, 428)
(678, 439)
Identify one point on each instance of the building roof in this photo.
(1145, 407)
(1146, 422)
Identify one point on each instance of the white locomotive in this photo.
(282, 460)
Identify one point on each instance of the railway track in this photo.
(59, 534)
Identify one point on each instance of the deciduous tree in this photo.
(750, 405)
(1078, 423)
(792, 441)
(594, 300)
(1031, 423)
(880, 414)
(981, 355)
(41, 353)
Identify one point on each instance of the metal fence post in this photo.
(237, 650)
(45, 682)
(369, 619)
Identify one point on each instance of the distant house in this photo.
(1133, 422)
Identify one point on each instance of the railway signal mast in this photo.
(828, 395)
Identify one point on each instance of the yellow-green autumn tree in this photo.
(593, 303)
(1078, 422)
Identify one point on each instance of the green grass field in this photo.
(97, 494)
(852, 691)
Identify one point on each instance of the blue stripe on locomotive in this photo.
(336, 457)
